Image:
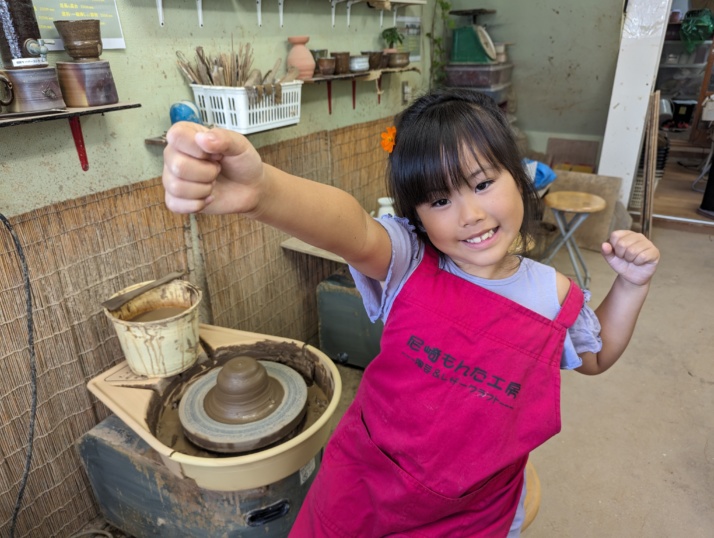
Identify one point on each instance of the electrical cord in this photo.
(33, 372)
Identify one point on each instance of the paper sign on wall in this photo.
(47, 11)
(410, 28)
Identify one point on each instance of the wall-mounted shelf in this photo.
(72, 114)
(365, 76)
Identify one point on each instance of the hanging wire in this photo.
(33, 372)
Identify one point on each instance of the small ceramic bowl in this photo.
(359, 64)
(326, 66)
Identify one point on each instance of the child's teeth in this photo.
(480, 238)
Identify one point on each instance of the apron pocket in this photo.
(429, 502)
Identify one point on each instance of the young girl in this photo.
(467, 382)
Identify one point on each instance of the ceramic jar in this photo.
(87, 83)
(326, 66)
(81, 38)
(317, 54)
(300, 57)
(342, 62)
(385, 57)
(30, 90)
(375, 58)
(399, 59)
(359, 64)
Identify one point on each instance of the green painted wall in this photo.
(564, 57)
(39, 164)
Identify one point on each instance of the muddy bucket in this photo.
(158, 330)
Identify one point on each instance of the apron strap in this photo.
(572, 305)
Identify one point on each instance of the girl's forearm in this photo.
(323, 216)
(618, 315)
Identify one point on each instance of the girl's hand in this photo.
(631, 255)
(210, 170)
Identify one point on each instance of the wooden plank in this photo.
(296, 245)
(640, 50)
(650, 164)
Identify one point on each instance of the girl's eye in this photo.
(440, 202)
(483, 185)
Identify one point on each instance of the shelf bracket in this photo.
(333, 4)
(260, 16)
(76, 128)
(160, 10)
(280, 11)
(395, 8)
(329, 97)
(350, 3)
(199, 7)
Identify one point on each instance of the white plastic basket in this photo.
(241, 110)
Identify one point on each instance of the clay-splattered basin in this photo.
(134, 399)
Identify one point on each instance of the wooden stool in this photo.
(532, 502)
(581, 204)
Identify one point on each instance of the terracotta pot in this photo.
(300, 57)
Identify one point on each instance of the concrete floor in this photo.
(634, 458)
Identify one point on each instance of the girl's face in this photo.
(477, 224)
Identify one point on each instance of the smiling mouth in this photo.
(483, 237)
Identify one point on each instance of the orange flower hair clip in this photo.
(388, 139)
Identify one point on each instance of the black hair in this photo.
(432, 135)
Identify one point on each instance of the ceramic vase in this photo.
(300, 57)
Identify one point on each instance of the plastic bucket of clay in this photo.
(158, 330)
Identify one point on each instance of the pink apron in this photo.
(467, 383)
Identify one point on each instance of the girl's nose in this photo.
(471, 211)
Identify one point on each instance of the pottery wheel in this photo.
(234, 435)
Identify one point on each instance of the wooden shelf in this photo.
(366, 76)
(71, 114)
(363, 76)
(296, 245)
(8, 120)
